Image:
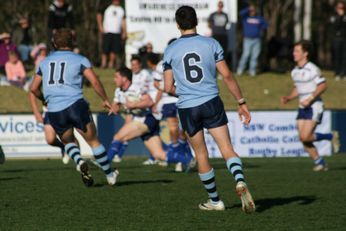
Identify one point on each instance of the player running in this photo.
(61, 75)
(309, 85)
(191, 61)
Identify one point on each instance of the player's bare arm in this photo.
(145, 102)
(34, 107)
(169, 82)
(99, 89)
(233, 87)
(294, 94)
(36, 87)
(319, 90)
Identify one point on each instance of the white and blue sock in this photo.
(319, 161)
(208, 179)
(122, 149)
(113, 149)
(234, 165)
(323, 136)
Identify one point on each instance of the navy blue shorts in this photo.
(210, 114)
(153, 126)
(313, 112)
(77, 115)
(45, 119)
(169, 110)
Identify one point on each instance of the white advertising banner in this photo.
(153, 21)
(270, 134)
(21, 136)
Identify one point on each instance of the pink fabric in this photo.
(15, 71)
(38, 59)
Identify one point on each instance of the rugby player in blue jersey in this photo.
(61, 76)
(191, 62)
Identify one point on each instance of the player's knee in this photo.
(304, 138)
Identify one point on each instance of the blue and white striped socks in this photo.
(234, 165)
(74, 152)
(102, 159)
(208, 179)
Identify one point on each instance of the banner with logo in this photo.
(153, 21)
(270, 134)
(21, 136)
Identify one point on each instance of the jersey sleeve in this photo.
(116, 98)
(167, 60)
(218, 52)
(85, 64)
(39, 70)
(317, 76)
(157, 76)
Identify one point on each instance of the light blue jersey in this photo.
(192, 59)
(62, 78)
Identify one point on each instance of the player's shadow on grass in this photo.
(268, 203)
(10, 178)
(135, 182)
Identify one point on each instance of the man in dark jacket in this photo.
(338, 22)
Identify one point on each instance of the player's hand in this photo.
(154, 108)
(244, 114)
(101, 30)
(307, 102)
(111, 109)
(284, 99)
(39, 118)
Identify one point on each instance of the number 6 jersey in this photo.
(62, 78)
(192, 58)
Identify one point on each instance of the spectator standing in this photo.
(6, 45)
(112, 24)
(217, 22)
(253, 25)
(23, 37)
(60, 16)
(338, 26)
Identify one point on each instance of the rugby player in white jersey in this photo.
(137, 101)
(309, 85)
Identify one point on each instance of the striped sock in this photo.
(102, 159)
(234, 165)
(74, 152)
(208, 180)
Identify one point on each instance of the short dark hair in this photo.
(136, 57)
(63, 38)
(306, 46)
(126, 72)
(186, 17)
(153, 58)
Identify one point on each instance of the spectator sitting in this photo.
(23, 37)
(5, 47)
(38, 53)
(15, 71)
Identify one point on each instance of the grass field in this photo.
(275, 85)
(47, 195)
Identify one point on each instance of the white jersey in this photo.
(158, 76)
(133, 93)
(306, 79)
(112, 19)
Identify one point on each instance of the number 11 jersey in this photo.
(193, 59)
(62, 78)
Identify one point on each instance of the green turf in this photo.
(46, 195)
(275, 85)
